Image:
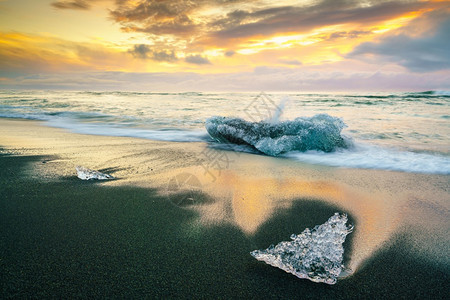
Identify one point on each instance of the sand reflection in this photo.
(250, 201)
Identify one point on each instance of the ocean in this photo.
(408, 132)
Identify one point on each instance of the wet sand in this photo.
(181, 219)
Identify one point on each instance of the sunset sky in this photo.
(225, 45)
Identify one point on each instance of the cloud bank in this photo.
(254, 45)
(428, 52)
(261, 79)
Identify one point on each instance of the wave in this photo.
(169, 135)
(365, 156)
(318, 140)
(130, 93)
(29, 114)
(320, 132)
(428, 94)
(422, 95)
(439, 93)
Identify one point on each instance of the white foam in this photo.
(376, 157)
(442, 93)
(171, 135)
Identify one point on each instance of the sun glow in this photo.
(170, 36)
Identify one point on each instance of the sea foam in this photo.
(367, 156)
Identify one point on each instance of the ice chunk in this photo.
(314, 254)
(88, 174)
(320, 132)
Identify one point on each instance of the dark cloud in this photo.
(257, 18)
(232, 19)
(253, 18)
(347, 34)
(75, 4)
(145, 10)
(140, 51)
(173, 16)
(180, 26)
(299, 19)
(229, 53)
(157, 17)
(197, 60)
(164, 56)
(293, 62)
(144, 52)
(428, 52)
(151, 10)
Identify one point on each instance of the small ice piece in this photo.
(315, 254)
(88, 174)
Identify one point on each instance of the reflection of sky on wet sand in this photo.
(254, 188)
(249, 202)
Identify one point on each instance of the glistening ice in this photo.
(315, 254)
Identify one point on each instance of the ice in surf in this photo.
(321, 132)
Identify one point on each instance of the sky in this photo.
(225, 45)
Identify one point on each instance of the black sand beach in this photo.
(61, 237)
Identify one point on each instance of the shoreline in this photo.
(255, 201)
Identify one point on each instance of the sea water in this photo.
(407, 132)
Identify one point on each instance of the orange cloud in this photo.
(36, 53)
(213, 36)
